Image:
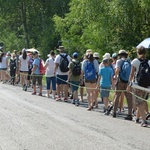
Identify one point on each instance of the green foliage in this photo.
(101, 25)
(104, 26)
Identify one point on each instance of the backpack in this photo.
(125, 71)
(64, 63)
(13, 64)
(90, 72)
(143, 75)
(41, 67)
(76, 71)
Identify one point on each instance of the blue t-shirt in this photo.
(37, 63)
(106, 73)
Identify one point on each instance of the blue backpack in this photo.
(90, 72)
(125, 71)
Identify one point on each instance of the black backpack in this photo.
(64, 63)
(76, 71)
(13, 64)
(143, 75)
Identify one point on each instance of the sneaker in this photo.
(104, 110)
(144, 124)
(71, 97)
(110, 108)
(25, 87)
(65, 99)
(147, 116)
(58, 98)
(77, 102)
(90, 108)
(34, 93)
(40, 94)
(137, 120)
(73, 101)
(107, 113)
(128, 117)
(47, 95)
(114, 115)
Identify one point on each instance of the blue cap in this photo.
(114, 55)
(75, 54)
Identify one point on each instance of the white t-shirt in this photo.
(50, 67)
(57, 60)
(24, 63)
(3, 63)
(136, 63)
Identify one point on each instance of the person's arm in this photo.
(46, 64)
(98, 82)
(112, 82)
(117, 70)
(33, 69)
(133, 70)
(70, 71)
(69, 74)
(55, 68)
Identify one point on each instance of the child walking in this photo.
(104, 82)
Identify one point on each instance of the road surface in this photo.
(30, 122)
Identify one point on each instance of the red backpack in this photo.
(42, 69)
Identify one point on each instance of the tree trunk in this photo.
(24, 23)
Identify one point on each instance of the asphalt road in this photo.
(30, 122)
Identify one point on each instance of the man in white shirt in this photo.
(61, 71)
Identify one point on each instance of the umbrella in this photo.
(31, 50)
(145, 43)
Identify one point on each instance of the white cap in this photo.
(107, 55)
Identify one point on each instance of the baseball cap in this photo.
(61, 48)
(114, 55)
(122, 52)
(107, 55)
(75, 54)
(96, 55)
(35, 53)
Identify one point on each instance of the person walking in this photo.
(61, 71)
(3, 66)
(74, 76)
(96, 56)
(105, 81)
(50, 77)
(122, 72)
(140, 104)
(12, 66)
(23, 67)
(36, 76)
(90, 69)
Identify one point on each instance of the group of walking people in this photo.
(116, 72)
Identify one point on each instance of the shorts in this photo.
(38, 78)
(61, 79)
(48, 83)
(104, 92)
(90, 81)
(139, 93)
(74, 85)
(24, 71)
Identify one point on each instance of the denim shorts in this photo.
(74, 85)
(48, 83)
(104, 92)
(61, 79)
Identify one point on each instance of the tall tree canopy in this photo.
(102, 25)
